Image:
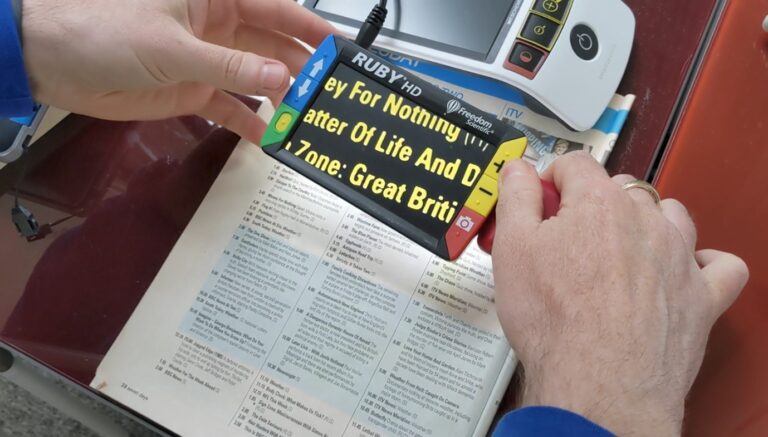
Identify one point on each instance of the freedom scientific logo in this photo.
(473, 120)
(453, 106)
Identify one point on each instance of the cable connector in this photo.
(25, 221)
(372, 25)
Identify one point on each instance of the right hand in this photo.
(607, 304)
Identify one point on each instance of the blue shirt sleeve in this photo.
(546, 421)
(15, 95)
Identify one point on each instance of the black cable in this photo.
(20, 177)
(22, 218)
(372, 25)
(398, 16)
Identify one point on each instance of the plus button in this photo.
(499, 165)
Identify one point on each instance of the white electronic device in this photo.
(566, 57)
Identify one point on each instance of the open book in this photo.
(284, 311)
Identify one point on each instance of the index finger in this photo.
(575, 174)
(285, 16)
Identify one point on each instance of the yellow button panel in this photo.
(484, 196)
(283, 122)
(507, 151)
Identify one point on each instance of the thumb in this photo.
(726, 275)
(520, 197)
(227, 69)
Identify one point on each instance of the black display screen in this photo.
(411, 163)
(456, 26)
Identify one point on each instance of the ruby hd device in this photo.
(398, 148)
(564, 57)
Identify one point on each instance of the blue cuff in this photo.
(546, 421)
(15, 95)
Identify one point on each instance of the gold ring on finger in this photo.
(645, 186)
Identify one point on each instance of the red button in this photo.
(462, 231)
(525, 59)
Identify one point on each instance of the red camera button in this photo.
(462, 231)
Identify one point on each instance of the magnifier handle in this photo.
(551, 206)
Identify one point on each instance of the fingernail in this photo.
(273, 76)
(519, 167)
(516, 167)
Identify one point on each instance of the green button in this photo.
(282, 122)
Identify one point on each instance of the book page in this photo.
(285, 311)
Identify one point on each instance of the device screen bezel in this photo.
(488, 58)
(433, 240)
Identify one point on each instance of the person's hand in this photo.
(150, 59)
(607, 304)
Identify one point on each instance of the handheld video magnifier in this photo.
(409, 154)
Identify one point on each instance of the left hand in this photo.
(151, 59)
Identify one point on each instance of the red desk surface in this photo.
(133, 187)
(717, 164)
